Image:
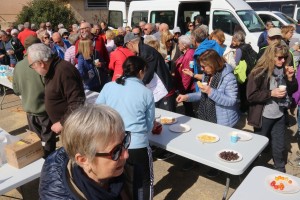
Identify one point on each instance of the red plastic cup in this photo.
(157, 128)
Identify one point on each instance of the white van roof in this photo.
(143, 5)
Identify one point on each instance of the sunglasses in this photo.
(281, 57)
(46, 37)
(48, 26)
(170, 40)
(191, 25)
(116, 152)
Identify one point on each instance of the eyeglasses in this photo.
(116, 152)
(281, 57)
(57, 42)
(46, 37)
(145, 29)
(31, 65)
(48, 26)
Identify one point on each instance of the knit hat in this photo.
(31, 40)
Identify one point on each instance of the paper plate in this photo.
(230, 161)
(180, 128)
(243, 136)
(290, 185)
(207, 137)
(168, 120)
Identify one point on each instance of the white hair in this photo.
(60, 26)
(185, 40)
(20, 27)
(14, 31)
(39, 52)
(26, 25)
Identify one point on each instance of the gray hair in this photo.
(39, 52)
(20, 27)
(185, 40)
(3, 33)
(33, 26)
(73, 38)
(149, 38)
(26, 25)
(14, 31)
(60, 26)
(200, 34)
(90, 127)
(239, 36)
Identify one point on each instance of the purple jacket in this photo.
(296, 95)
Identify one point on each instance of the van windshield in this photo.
(115, 19)
(251, 20)
(286, 18)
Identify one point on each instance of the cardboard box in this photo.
(24, 151)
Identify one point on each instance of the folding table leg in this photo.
(226, 188)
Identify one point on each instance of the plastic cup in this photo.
(234, 137)
(191, 64)
(168, 57)
(282, 87)
(204, 83)
(157, 128)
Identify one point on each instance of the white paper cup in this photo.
(282, 87)
(191, 64)
(204, 83)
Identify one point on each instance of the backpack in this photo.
(250, 57)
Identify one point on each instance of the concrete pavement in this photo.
(171, 183)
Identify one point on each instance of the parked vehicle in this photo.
(227, 15)
(279, 19)
(289, 7)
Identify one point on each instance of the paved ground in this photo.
(170, 182)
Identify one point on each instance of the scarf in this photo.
(207, 108)
(92, 190)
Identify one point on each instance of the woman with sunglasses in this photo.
(269, 85)
(45, 38)
(190, 27)
(135, 103)
(91, 162)
(169, 50)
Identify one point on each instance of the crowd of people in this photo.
(106, 152)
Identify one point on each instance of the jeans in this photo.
(274, 129)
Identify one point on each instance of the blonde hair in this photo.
(219, 34)
(152, 41)
(267, 63)
(286, 29)
(90, 127)
(166, 35)
(109, 34)
(84, 47)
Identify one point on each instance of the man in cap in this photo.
(30, 86)
(177, 34)
(262, 40)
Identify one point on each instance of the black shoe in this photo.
(188, 165)
(213, 173)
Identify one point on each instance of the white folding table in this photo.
(255, 186)
(11, 177)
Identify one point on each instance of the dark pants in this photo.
(274, 129)
(41, 125)
(167, 103)
(139, 174)
(244, 104)
(189, 109)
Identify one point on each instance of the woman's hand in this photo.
(205, 89)
(188, 72)
(182, 97)
(278, 93)
(289, 71)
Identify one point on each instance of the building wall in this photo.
(9, 11)
(92, 15)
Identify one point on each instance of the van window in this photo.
(275, 21)
(225, 21)
(163, 16)
(251, 20)
(288, 10)
(286, 18)
(138, 16)
(115, 19)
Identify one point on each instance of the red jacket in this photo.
(184, 83)
(117, 58)
(24, 34)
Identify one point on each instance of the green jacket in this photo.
(30, 85)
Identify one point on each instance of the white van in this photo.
(227, 15)
(289, 7)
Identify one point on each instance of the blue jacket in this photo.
(88, 73)
(206, 45)
(53, 180)
(135, 103)
(225, 98)
(56, 49)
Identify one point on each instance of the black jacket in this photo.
(156, 63)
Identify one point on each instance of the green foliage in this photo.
(53, 11)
